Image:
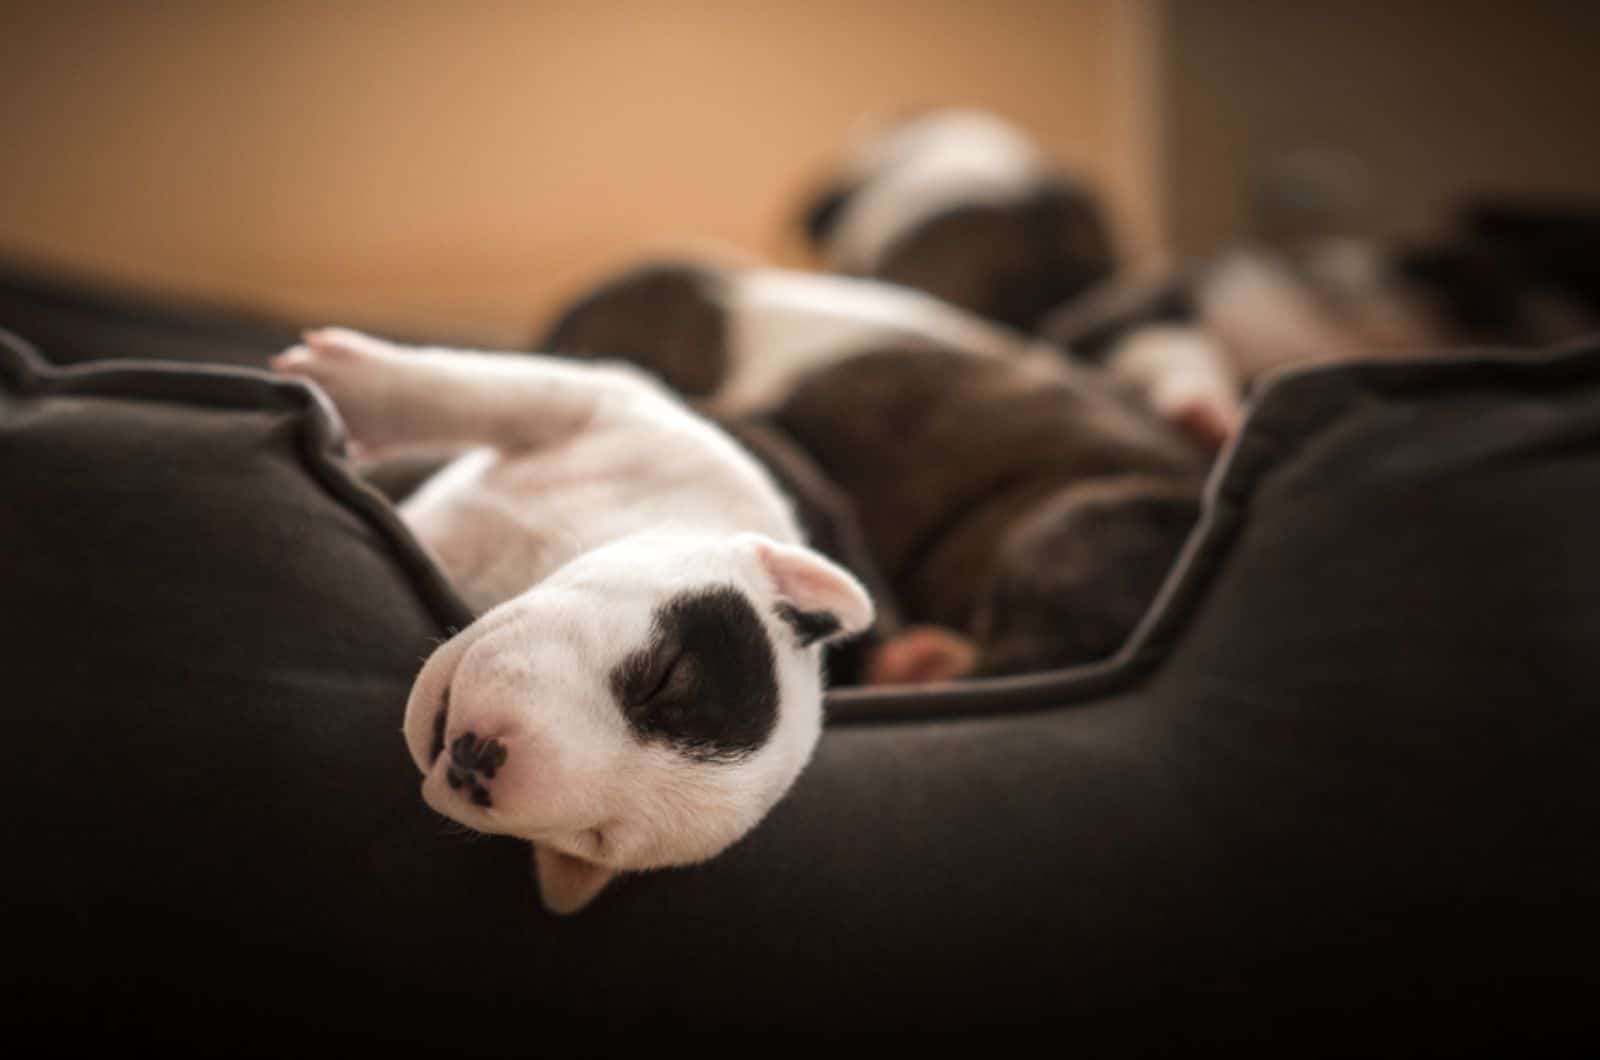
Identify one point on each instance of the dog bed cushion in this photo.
(1338, 792)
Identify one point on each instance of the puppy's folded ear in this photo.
(567, 883)
(819, 599)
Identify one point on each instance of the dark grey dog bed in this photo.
(1339, 792)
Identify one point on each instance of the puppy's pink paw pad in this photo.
(353, 370)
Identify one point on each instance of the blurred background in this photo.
(465, 167)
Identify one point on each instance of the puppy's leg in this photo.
(395, 397)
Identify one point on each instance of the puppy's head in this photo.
(952, 142)
(964, 206)
(644, 706)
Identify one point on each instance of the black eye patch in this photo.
(706, 683)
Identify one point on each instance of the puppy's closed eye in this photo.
(676, 680)
(706, 683)
(666, 670)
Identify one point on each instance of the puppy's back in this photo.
(943, 452)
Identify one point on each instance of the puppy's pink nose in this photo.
(473, 761)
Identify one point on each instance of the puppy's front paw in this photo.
(355, 371)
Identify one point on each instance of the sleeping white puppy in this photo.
(644, 682)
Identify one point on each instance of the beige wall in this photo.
(1439, 98)
(447, 163)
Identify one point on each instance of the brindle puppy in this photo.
(1014, 499)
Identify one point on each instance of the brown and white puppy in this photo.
(964, 206)
(643, 682)
(927, 202)
(934, 201)
(735, 338)
(1015, 500)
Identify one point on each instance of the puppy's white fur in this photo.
(784, 324)
(1183, 374)
(591, 497)
(913, 170)
(922, 166)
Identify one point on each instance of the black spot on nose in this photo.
(491, 756)
(485, 757)
(470, 758)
